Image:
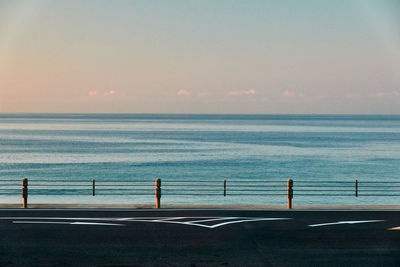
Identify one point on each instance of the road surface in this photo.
(199, 238)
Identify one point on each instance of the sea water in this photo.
(76, 147)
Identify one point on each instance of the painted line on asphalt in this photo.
(192, 221)
(249, 220)
(169, 219)
(213, 219)
(93, 223)
(57, 218)
(69, 223)
(38, 222)
(344, 222)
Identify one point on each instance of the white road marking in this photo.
(249, 220)
(238, 220)
(144, 218)
(169, 219)
(344, 222)
(57, 218)
(38, 222)
(124, 219)
(70, 223)
(93, 223)
(192, 221)
(213, 219)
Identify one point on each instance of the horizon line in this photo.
(169, 113)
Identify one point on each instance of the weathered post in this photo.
(224, 187)
(158, 193)
(290, 192)
(356, 184)
(25, 193)
(93, 187)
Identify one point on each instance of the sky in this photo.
(264, 57)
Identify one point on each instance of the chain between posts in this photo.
(202, 187)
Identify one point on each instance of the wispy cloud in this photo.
(110, 92)
(354, 96)
(243, 92)
(92, 93)
(183, 92)
(288, 93)
(385, 94)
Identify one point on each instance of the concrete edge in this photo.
(230, 207)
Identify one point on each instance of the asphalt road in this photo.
(199, 238)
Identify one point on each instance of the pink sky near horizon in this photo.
(200, 57)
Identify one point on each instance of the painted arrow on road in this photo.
(344, 222)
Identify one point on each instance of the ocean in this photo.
(172, 147)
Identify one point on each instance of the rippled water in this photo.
(191, 147)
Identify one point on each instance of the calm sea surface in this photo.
(190, 147)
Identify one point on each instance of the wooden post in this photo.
(25, 193)
(224, 187)
(93, 187)
(158, 193)
(290, 192)
(356, 188)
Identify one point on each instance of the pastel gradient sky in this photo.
(204, 56)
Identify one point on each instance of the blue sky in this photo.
(200, 56)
